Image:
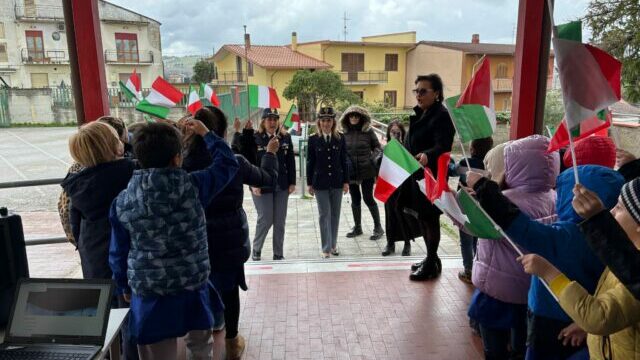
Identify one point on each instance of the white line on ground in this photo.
(39, 149)
(20, 173)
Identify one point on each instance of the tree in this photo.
(312, 88)
(203, 71)
(553, 109)
(614, 25)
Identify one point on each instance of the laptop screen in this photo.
(60, 310)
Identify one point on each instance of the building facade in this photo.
(34, 51)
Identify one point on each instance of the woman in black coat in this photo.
(364, 149)
(227, 226)
(430, 135)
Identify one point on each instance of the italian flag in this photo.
(479, 224)
(263, 97)
(590, 77)
(397, 165)
(207, 92)
(439, 193)
(132, 89)
(597, 125)
(473, 111)
(194, 104)
(293, 118)
(162, 97)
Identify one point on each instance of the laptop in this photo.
(57, 319)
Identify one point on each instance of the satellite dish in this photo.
(55, 35)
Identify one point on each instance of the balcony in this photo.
(39, 12)
(502, 85)
(44, 57)
(230, 78)
(363, 77)
(128, 57)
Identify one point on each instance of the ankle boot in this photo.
(377, 229)
(406, 251)
(357, 221)
(389, 249)
(429, 270)
(234, 347)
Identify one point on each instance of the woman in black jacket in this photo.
(363, 148)
(271, 201)
(227, 226)
(328, 177)
(430, 135)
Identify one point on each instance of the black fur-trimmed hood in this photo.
(364, 113)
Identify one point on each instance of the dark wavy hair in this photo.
(397, 123)
(436, 84)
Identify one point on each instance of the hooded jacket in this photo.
(530, 175)
(561, 243)
(91, 192)
(362, 143)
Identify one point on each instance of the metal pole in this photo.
(246, 59)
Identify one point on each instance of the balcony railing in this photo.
(39, 12)
(128, 57)
(363, 77)
(503, 85)
(45, 57)
(230, 78)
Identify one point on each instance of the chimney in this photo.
(247, 42)
(294, 41)
(475, 39)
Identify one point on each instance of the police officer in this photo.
(271, 203)
(328, 176)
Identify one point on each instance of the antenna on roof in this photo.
(344, 31)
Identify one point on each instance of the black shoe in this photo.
(278, 257)
(406, 250)
(429, 270)
(255, 256)
(335, 252)
(377, 233)
(355, 231)
(418, 265)
(389, 249)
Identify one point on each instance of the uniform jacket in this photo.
(327, 163)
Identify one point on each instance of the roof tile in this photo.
(277, 57)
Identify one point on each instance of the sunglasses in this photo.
(420, 91)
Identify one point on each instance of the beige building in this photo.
(34, 52)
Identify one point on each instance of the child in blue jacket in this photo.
(561, 243)
(158, 250)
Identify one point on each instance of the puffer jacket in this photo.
(530, 175)
(363, 146)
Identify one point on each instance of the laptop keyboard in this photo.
(41, 355)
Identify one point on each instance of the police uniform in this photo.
(271, 205)
(327, 172)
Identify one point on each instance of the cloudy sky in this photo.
(195, 27)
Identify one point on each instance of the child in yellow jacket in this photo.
(611, 316)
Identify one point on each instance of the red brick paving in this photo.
(357, 315)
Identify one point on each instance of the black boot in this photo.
(357, 221)
(406, 251)
(418, 265)
(429, 270)
(389, 249)
(377, 229)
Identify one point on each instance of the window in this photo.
(127, 47)
(239, 77)
(391, 98)
(250, 71)
(3, 53)
(39, 80)
(506, 104)
(501, 72)
(352, 64)
(391, 62)
(35, 46)
(359, 94)
(1, 30)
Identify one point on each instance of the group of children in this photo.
(560, 226)
(162, 215)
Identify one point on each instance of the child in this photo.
(499, 304)
(612, 315)
(158, 250)
(561, 243)
(479, 149)
(227, 226)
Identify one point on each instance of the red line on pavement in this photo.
(260, 267)
(378, 265)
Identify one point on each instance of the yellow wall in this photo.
(426, 59)
(314, 50)
(408, 37)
